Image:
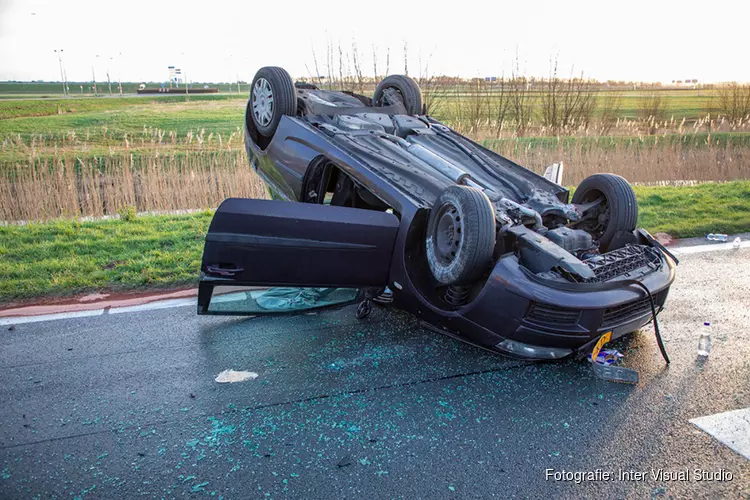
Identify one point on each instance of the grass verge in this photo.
(66, 257)
(686, 211)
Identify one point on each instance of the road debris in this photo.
(231, 376)
(603, 366)
(607, 357)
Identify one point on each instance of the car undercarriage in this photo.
(476, 245)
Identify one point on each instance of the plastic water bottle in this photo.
(736, 243)
(716, 237)
(704, 343)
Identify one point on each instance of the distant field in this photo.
(55, 90)
(102, 121)
(57, 118)
(688, 104)
(678, 104)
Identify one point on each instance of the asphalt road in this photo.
(124, 406)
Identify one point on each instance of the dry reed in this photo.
(643, 163)
(71, 187)
(46, 177)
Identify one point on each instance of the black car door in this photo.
(271, 257)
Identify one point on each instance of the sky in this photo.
(640, 40)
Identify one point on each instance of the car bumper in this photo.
(518, 315)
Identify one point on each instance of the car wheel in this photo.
(401, 87)
(272, 96)
(460, 236)
(618, 211)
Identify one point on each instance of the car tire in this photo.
(406, 87)
(272, 96)
(460, 236)
(621, 210)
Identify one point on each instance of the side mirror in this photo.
(554, 173)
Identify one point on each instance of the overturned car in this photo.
(374, 200)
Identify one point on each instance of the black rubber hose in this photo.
(653, 316)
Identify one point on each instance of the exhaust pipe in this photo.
(459, 176)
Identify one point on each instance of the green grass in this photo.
(64, 257)
(78, 114)
(55, 90)
(695, 210)
(67, 257)
(24, 108)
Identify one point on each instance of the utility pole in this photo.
(65, 76)
(62, 76)
(119, 79)
(184, 74)
(93, 75)
(109, 83)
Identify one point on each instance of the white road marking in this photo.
(159, 304)
(707, 248)
(169, 303)
(49, 317)
(731, 428)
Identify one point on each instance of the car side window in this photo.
(261, 300)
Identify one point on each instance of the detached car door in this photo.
(274, 257)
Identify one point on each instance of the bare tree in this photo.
(406, 59)
(734, 102)
(359, 77)
(317, 70)
(652, 108)
(309, 73)
(477, 104)
(341, 67)
(502, 103)
(520, 101)
(609, 107)
(652, 105)
(434, 91)
(582, 101)
(550, 99)
(329, 64)
(566, 103)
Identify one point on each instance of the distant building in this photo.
(688, 82)
(175, 75)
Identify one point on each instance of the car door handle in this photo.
(224, 271)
